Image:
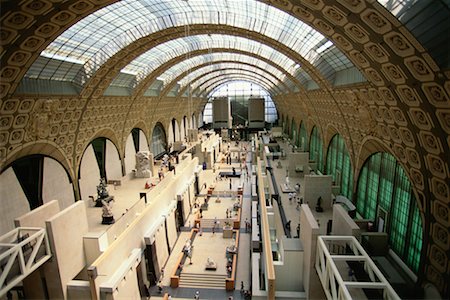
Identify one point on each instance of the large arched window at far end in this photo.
(385, 195)
(159, 140)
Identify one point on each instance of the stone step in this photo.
(202, 275)
(200, 285)
(195, 280)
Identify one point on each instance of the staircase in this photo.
(209, 223)
(207, 281)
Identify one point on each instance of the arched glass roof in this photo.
(96, 38)
(201, 83)
(203, 87)
(150, 60)
(222, 60)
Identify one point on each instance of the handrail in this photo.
(231, 281)
(265, 234)
(335, 287)
(175, 278)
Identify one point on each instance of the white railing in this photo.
(331, 277)
(22, 251)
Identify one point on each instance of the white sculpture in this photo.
(143, 165)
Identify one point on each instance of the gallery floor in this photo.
(213, 246)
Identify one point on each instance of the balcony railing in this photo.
(22, 251)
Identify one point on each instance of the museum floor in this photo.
(213, 245)
(210, 245)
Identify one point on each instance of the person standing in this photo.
(230, 185)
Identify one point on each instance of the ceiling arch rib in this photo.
(142, 86)
(147, 62)
(184, 78)
(183, 68)
(198, 82)
(266, 70)
(209, 91)
(136, 19)
(222, 79)
(273, 84)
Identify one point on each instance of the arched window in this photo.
(293, 132)
(302, 138)
(338, 165)
(159, 141)
(316, 148)
(385, 195)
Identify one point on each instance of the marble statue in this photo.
(102, 193)
(143, 165)
(107, 215)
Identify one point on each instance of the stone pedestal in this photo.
(227, 232)
(108, 220)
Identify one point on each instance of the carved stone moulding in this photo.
(399, 44)
(440, 236)
(376, 21)
(303, 14)
(335, 15)
(413, 157)
(355, 6)
(387, 96)
(314, 4)
(283, 4)
(18, 20)
(394, 73)
(437, 166)
(438, 258)
(443, 116)
(436, 95)
(374, 76)
(429, 142)
(359, 59)
(357, 33)
(408, 95)
(417, 178)
(419, 68)
(441, 212)
(376, 52)
(399, 116)
(440, 189)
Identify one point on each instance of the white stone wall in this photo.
(113, 166)
(143, 142)
(130, 154)
(89, 174)
(56, 184)
(13, 202)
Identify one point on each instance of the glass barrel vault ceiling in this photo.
(221, 69)
(96, 38)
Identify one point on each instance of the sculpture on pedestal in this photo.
(107, 215)
(143, 165)
(102, 194)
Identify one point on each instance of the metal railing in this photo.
(347, 249)
(22, 251)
